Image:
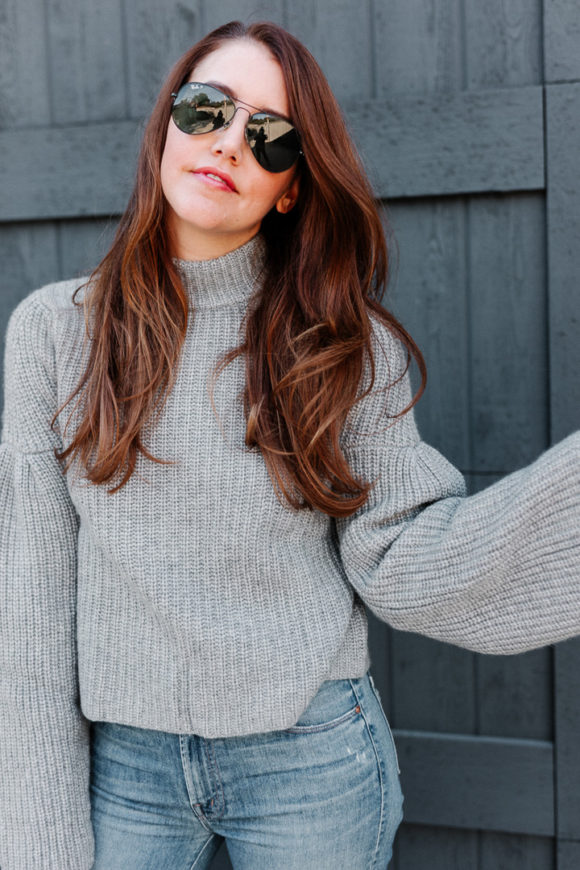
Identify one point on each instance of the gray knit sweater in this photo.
(194, 601)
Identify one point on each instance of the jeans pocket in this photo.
(334, 703)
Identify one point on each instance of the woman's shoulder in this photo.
(37, 318)
(56, 297)
(42, 320)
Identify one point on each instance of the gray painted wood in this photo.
(429, 296)
(90, 86)
(82, 245)
(561, 40)
(563, 211)
(432, 685)
(84, 170)
(483, 141)
(29, 258)
(421, 847)
(568, 857)
(507, 312)
(25, 95)
(339, 38)
(567, 729)
(418, 47)
(216, 14)
(452, 143)
(516, 852)
(515, 695)
(503, 43)
(477, 782)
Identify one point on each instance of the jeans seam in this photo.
(202, 850)
(195, 808)
(209, 750)
(382, 784)
(378, 697)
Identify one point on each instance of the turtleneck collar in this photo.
(227, 279)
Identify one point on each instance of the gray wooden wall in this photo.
(467, 113)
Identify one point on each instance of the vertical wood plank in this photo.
(567, 726)
(515, 852)
(217, 13)
(82, 245)
(429, 296)
(515, 695)
(29, 257)
(90, 86)
(339, 36)
(561, 40)
(432, 686)
(157, 34)
(503, 43)
(563, 211)
(509, 355)
(418, 46)
(24, 81)
(419, 847)
(568, 856)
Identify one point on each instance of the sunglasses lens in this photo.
(200, 108)
(273, 140)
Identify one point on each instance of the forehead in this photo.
(249, 71)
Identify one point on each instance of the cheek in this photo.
(171, 151)
(268, 187)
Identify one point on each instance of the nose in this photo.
(231, 139)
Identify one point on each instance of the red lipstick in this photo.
(217, 174)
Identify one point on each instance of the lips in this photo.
(216, 175)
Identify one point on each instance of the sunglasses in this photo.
(199, 108)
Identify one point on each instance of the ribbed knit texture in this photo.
(194, 601)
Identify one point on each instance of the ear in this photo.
(288, 199)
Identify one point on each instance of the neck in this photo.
(230, 278)
(201, 246)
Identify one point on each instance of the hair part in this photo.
(307, 339)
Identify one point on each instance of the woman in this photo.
(233, 470)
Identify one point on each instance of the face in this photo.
(207, 216)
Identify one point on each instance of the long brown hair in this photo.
(307, 339)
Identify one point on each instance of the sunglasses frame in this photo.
(231, 103)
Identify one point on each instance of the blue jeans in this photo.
(321, 795)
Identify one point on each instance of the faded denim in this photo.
(321, 795)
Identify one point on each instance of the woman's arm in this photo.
(44, 738)
(496, 572)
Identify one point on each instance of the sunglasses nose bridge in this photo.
(233, 118)
(230, 138)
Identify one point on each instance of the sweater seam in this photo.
(22, 452)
